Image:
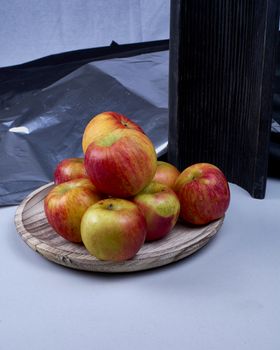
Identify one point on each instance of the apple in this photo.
(203, 193)
(65, 205)
(103, 124)
(161, 209)
(121, 163)
(113, 229)
(166, 174)
(69, 169)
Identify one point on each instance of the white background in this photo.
(30, 29)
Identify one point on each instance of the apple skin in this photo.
(203, 193)
(113, 229)
(104, 123)
(65, 205)
(121, 163)
(161, 209)
(70, 169)
(166, 174)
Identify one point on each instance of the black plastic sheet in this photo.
(43, 118)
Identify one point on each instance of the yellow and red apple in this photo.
(166, 174)
(105, 123)
(70, 169)
(113, 229)
(65, 205)
(121, 163)
(203, 192)
(161, 209)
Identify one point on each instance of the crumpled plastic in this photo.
(41, 126)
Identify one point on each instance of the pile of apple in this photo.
(119, 196)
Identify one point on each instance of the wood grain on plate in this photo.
(32, 225)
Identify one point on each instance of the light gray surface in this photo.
(35, 28)
(224, 297)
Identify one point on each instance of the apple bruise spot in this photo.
(124, 123)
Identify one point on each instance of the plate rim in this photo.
(42, 247)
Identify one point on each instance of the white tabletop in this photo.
(226, 296)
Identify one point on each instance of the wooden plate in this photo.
(32, 225)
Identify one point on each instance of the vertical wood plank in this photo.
(222, 63)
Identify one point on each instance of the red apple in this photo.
(203, 192)
(113, 229)
(105, 123)
(121, 163)
(65, 205)
(69, 169)
(166, 174)
(161, 209)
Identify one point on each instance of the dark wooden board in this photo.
(222, 65)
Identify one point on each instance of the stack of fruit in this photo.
(119, 196)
